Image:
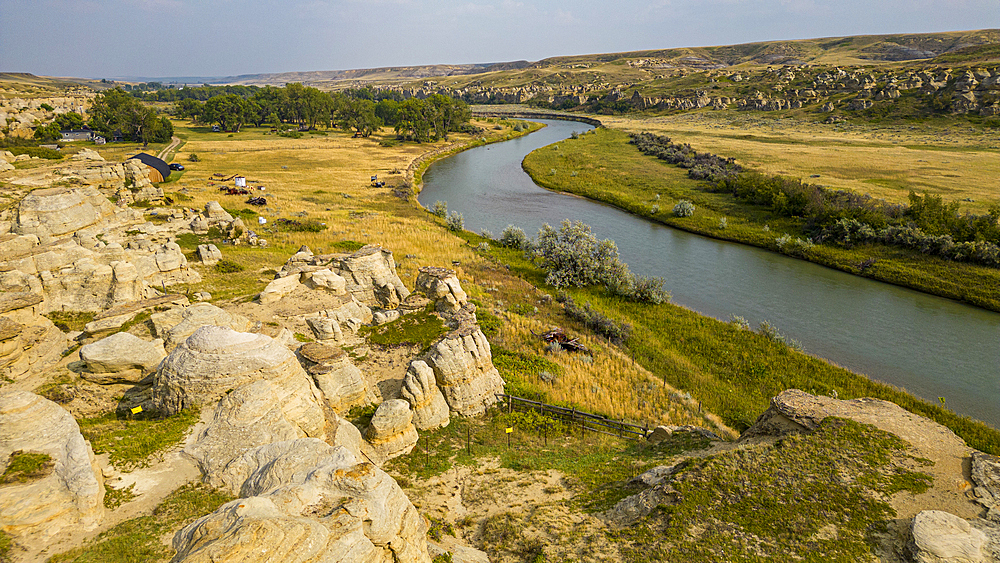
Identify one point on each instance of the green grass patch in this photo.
(771, 502)
(346, 246)
(133, 443)
(6, 544)
(69, 321)
(40, 152)
(24, 467)
(228, 267)
(113, 498)
(420, 328)
(139, 539)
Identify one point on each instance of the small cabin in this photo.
(240, 182)
(158, 169)
(77, 135)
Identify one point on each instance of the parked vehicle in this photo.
(176, 166)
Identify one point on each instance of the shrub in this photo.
(486, 233)
(514, 237)
(655, 209)
(723, 223)
(739, 322)
(455, 221)
(193, 158)
(228, 267)
(596, 321)
(572, 255)
(440, 208)
(684, 208)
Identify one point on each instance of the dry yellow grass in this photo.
(885, 162)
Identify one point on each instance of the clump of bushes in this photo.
(573, 256)
(301, 226)
(455, 221)
(440, 208)
(228, 267)
(514, 237)
(684, 208)
(596, 321)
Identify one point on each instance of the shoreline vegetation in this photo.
(631, 181)
(732, 372)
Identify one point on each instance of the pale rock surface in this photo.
(441, 286)
(215, 360)
(198, 225)
(342, 383)
(214, 213)
(279, 288)
(72, 495)
(986, 477)
(29, 342)
(341, 512)
(420, 389)
(265, 468)
(6, 166)
(209, 254)
(370, 275)
(326, 279)
(121, 358)
(50, 213)
(391, 432)
(252, 415)
(940, 537)
(463, 366)
(176, 324)
(459, 553)
(330, 323)
(387, 316)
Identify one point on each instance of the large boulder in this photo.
(279, 288)
(441, 286)
(331, 323)
(215, 360)
(214, 213)
(342, 383)
(941, 537)
(370, 275)
(69, 494)
(178, 323)
(327, 280)
(252, 415)
(121, 358)
(420, 389)
(51, 213)
(463, 366)
(391, 432)
(340, 511)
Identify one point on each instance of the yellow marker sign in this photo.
(511, 429)
(136, 410)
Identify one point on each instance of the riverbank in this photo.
(648, 187)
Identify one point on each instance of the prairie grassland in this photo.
(884, 161)
(326, 178)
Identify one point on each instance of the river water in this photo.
(931, 346)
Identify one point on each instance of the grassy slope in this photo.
(603, 166)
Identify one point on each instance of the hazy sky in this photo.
(162, 38)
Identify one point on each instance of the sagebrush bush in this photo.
(594, 320)
(684, 208)
(440, 208)
(455, 221)
(514, 237)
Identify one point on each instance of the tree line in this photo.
(361, 110)
(113, 112)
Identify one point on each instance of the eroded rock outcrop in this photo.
(463, 367)
(940, 537)
(430, 410)
(215, 360)
(342, 383)
(391, 432)
(369, 275)
(51, 213)
(176, 324)
(28, 341)
(121, 358)
(441, 285)
(71, 493)
(341, 511)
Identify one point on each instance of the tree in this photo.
(114, 110)
(359, 115)
(228, 110)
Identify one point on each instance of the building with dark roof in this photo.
(158, 170)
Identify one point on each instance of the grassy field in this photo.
(603, 166)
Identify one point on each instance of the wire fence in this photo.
(571, 416)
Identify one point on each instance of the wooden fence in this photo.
(584, 420)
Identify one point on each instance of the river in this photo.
(930, 346)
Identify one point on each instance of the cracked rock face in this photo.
(342, 383)
(441, 286)
(463, 367)
(420, 389)
(216, 360)
(121, 357)
(941, 537)
(370, 275)
(391, 432)
(177, 324)
(71, 494)
(338, 511)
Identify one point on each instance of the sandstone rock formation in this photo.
(330, 324)
(178, 323)
(270, 466)
(51, 213)
(391, 432)
(71, 495)
(463, 366)
(209, 254)
(441, 286)
(420, 389)
(279, 288)
(121, 358)
(325, 279)
(252, 414)
(342, 383)
(28, 341)
(340, 511)
(371, 277)
(215, 360)
(986, 477)
(940, 537)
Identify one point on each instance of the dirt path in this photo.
(174, 143)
